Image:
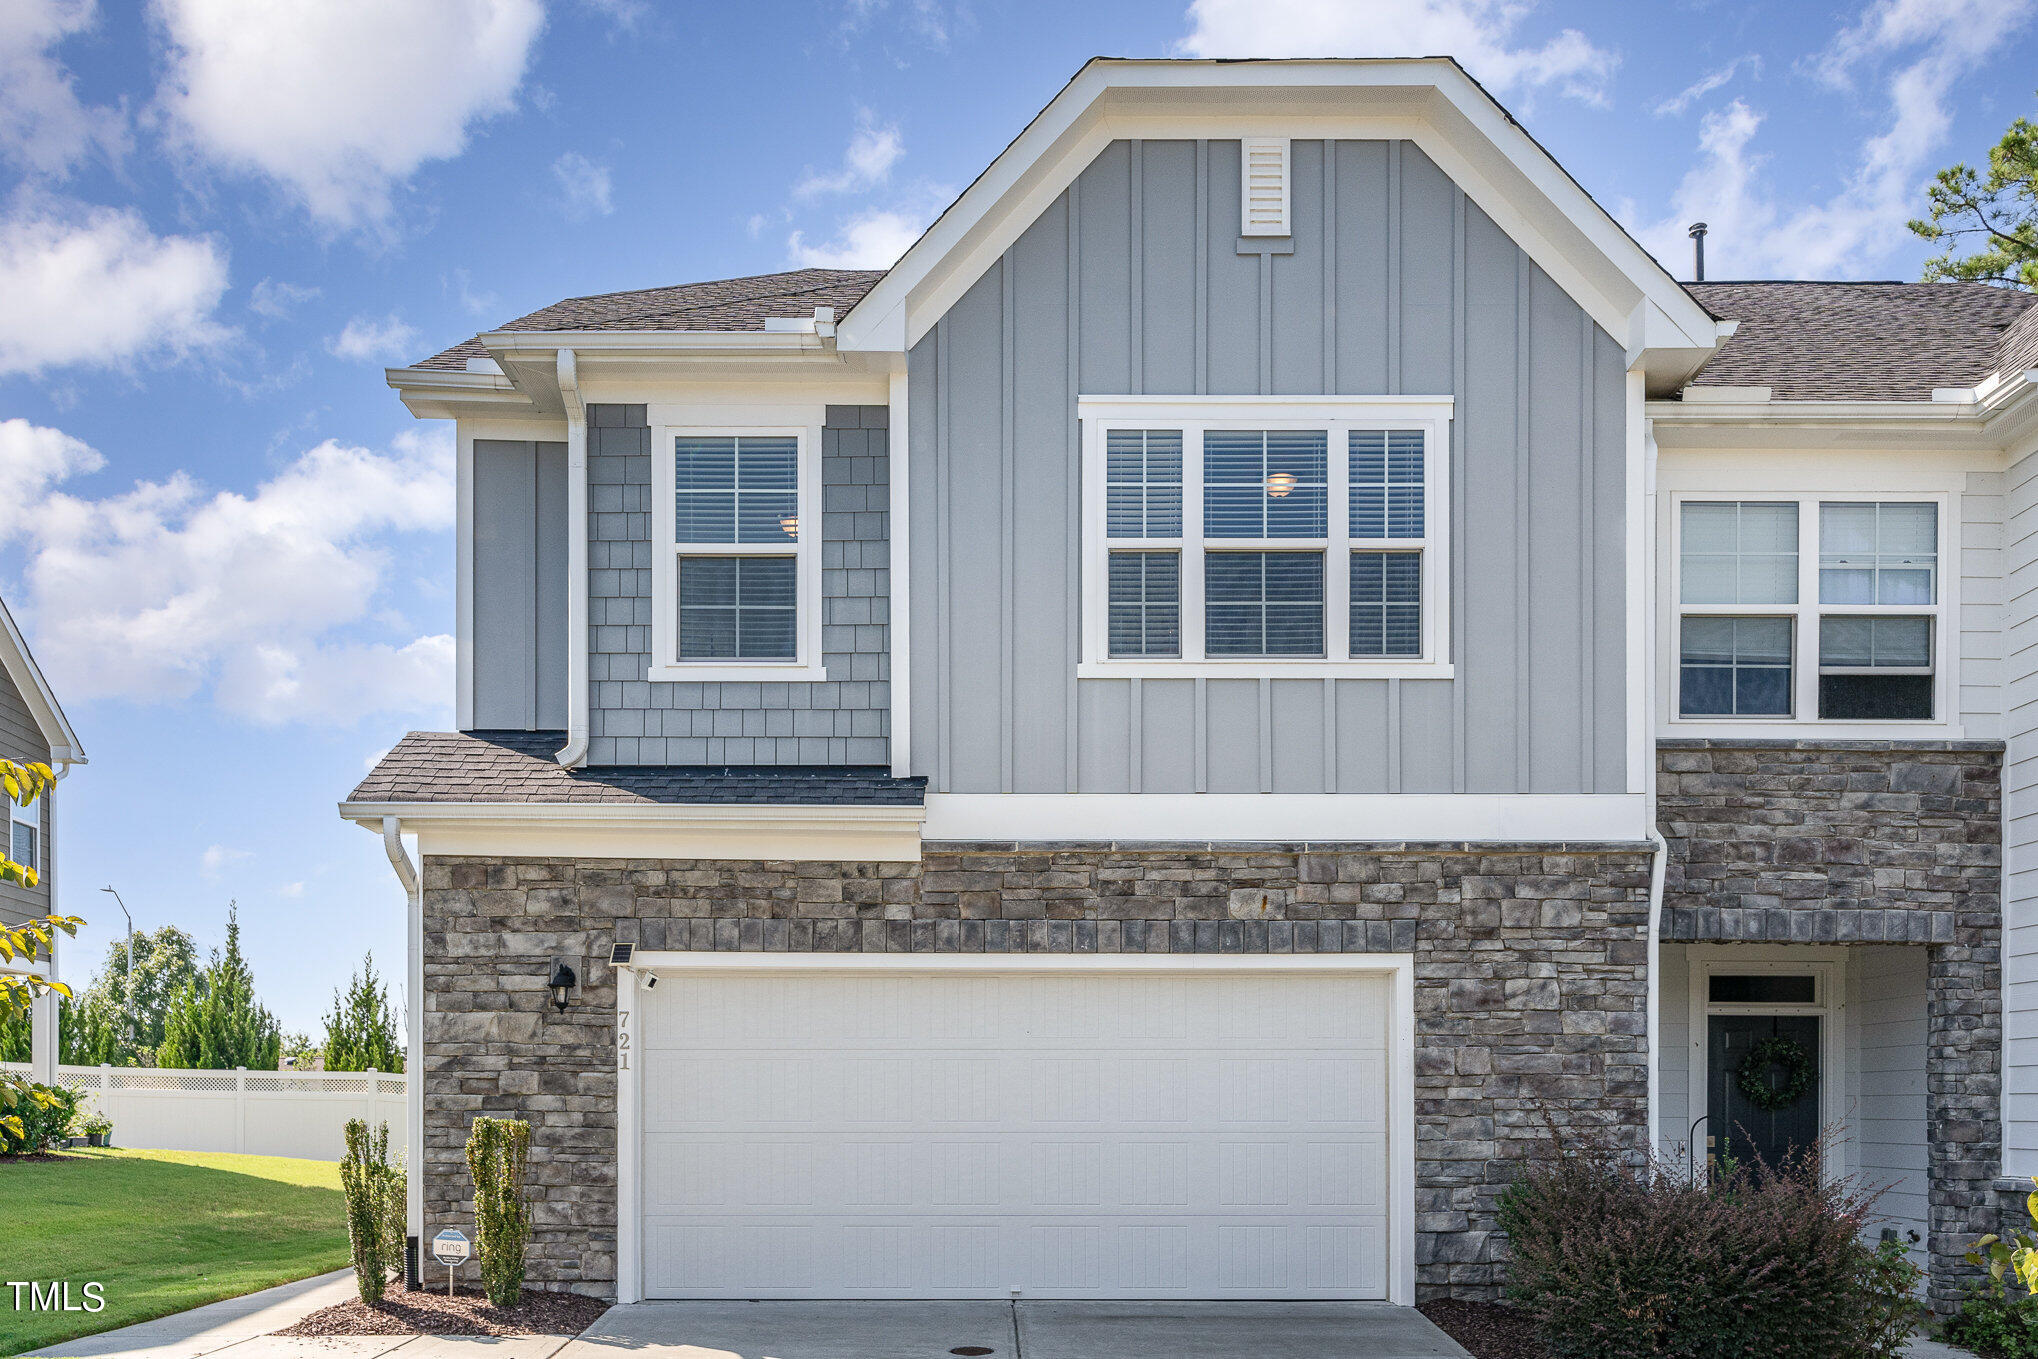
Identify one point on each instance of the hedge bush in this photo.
(42, 1125)
(1616, 1257)
(498, 1150)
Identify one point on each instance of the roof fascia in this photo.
(1430, 101)
(664, 814)
(1999, 419)
(65, 748)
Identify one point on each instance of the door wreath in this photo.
(1754, 1073)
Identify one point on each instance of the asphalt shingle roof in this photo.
(723, 304)
(1863, 341)
(518, 766)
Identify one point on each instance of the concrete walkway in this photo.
(241, 1328)
(1002, 1330)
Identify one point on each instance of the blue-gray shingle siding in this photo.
(844, 720)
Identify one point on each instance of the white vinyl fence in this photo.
(263, 1113)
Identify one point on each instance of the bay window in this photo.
(1229, 535)
(1808, 608)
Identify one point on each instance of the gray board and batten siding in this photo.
(1136, 281)
(520, 618)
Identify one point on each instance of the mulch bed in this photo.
(403, 1312)
(1487, 1329)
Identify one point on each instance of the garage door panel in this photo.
(907, 1258)
(764, 1088)
(929, 1135)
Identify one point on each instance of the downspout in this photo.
(414, 1042)
(574, 753)
(1659, 849)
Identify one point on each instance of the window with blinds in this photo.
(735, 569)
(1798, 607)
(1223, 539)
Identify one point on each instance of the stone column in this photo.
(1963, 1108)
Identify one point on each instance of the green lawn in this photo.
(162, 1231)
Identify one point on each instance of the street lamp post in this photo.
(128, 1008)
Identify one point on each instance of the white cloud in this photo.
(1481, 34)
(34, 459)
(584, 185)
(869, 240)
(44, 127)
(291, 889)
(874, 149)
(1698, 89)
(217, 857)
(96, 286)
(340, 101)
(269, 598)
(367, 340)
(277, 300)
(624, 16)
(1919, 50)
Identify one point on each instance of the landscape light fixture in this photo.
(562, 982)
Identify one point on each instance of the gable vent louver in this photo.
(1263, 187)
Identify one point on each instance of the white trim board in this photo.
(1401, 1076)
(1288, 817)
(36, 693)
(810, 834)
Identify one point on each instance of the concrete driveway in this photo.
(1024, 1330)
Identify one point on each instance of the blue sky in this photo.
(231, 547)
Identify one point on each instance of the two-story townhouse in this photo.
(33, 730)
(1273, 664)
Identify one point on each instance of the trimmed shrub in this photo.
(45, 1113)
(1616, 1258)
(367, 1178)
(497, 1151)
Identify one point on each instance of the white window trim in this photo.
(806, 666)
(1337, 414)
(1944, 612)
(30, 816)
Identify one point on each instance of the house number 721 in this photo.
(622, 1040)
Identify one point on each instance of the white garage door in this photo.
(927, 1134)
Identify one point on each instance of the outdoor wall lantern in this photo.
(562, 982)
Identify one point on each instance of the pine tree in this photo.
(215, 1022)
(361, 1031)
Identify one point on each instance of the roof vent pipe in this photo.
(1697, 234)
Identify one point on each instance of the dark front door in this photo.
(1736, 1125)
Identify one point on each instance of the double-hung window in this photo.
(735, 570)
(24, 833)
(1813, 608)
(1265, 535)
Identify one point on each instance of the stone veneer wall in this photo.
(1865, 842)
(1529, 967)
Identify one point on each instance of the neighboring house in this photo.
(1274, 663)
(33, 730)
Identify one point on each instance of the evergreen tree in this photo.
(110, 1024)
(1988, 223)
(215, 1022)
(361, 1030)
